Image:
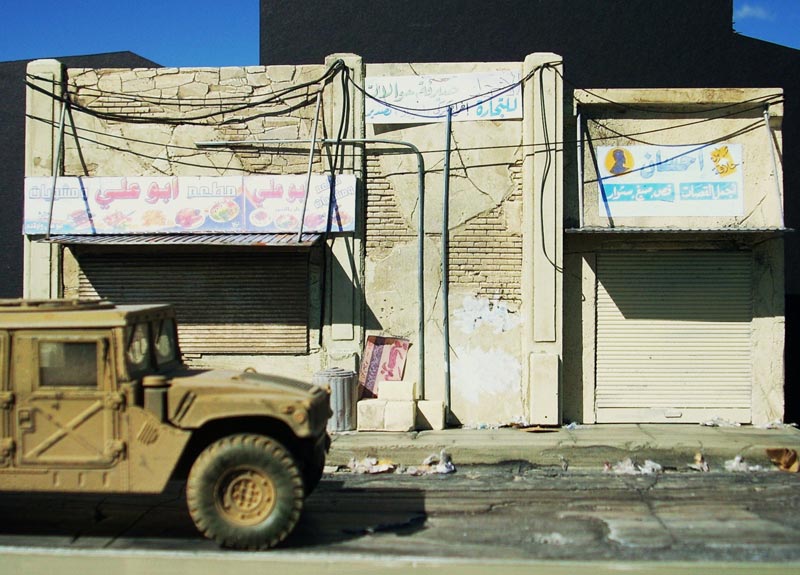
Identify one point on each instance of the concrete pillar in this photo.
(347, 256)
(42, 261)
(543, 235)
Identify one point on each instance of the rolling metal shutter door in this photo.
(226, 303)
(673, 337)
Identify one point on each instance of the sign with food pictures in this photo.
(189, 204)
(704, 180)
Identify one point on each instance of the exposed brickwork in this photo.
(485, 254)
(385, 223)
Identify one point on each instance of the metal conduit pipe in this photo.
(56, 168)
(311, 149)
(774, 164)
(421, 215)
(445, 262)
(579, 164)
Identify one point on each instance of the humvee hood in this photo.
(230, 381)
(199, 396)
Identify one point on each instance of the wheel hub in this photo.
(246, 496)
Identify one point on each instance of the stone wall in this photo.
(211, 104)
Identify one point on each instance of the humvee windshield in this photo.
(150, 345)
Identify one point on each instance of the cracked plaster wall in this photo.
(153, 149)
(113, 148)
(485, 253)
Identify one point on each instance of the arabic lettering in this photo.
(709, 191)
(724, 164)
(656, 192)
(63, 192)
(106, 197)
(212, 190)
(165, 194)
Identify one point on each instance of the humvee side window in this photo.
(165, 341)
(67, 364)
(138, 346)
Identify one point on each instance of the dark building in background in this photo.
(631, 44)
(12, 154)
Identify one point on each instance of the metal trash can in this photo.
(342, 384)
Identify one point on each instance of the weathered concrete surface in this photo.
(510, 518)
(587, 447)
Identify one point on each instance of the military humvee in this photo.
(94, 398)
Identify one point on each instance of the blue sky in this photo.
(225, 32)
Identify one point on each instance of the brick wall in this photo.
(485, 254)
(385, 225)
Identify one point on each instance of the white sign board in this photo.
(425, 98)
(671, 180)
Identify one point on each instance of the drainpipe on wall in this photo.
(445, 263)
(775, 172)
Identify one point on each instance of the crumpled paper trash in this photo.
(433, 464)
(371, 465)
(777, 424)
(629, 467)
(738, 464)
(720, 422)
(700, 463)
(786, 459)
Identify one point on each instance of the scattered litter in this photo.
(720, 422)
(786, 459)
(433, 464)
(442, 463)
(629, 467)
(700, 463)
(564, 463)
(651, 468)
(738, 464)
(777, 425)
(573, 426)
(482, 426)
(371, 465)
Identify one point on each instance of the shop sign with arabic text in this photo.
(186, 204)
(425, 98)
(703, 180)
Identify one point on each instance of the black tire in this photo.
(312, 471)
(245, 492)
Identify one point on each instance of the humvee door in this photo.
(67, 410)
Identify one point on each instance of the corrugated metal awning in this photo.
(632, 230)
(236, 240)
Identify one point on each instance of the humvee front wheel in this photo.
(245, 492)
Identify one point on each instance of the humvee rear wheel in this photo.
(245, 492)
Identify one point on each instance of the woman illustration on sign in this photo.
(620, 162)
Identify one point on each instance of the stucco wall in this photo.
(485, 253)
(148, 121)
(679, 118)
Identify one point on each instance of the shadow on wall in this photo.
(791, 387)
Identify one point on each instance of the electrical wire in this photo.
(457, 105)
(765, 99)
(328, 76)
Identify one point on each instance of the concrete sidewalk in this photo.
(586, 447)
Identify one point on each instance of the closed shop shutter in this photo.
(674, 337)
(226, 303)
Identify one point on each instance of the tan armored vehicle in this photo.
(94, 398)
